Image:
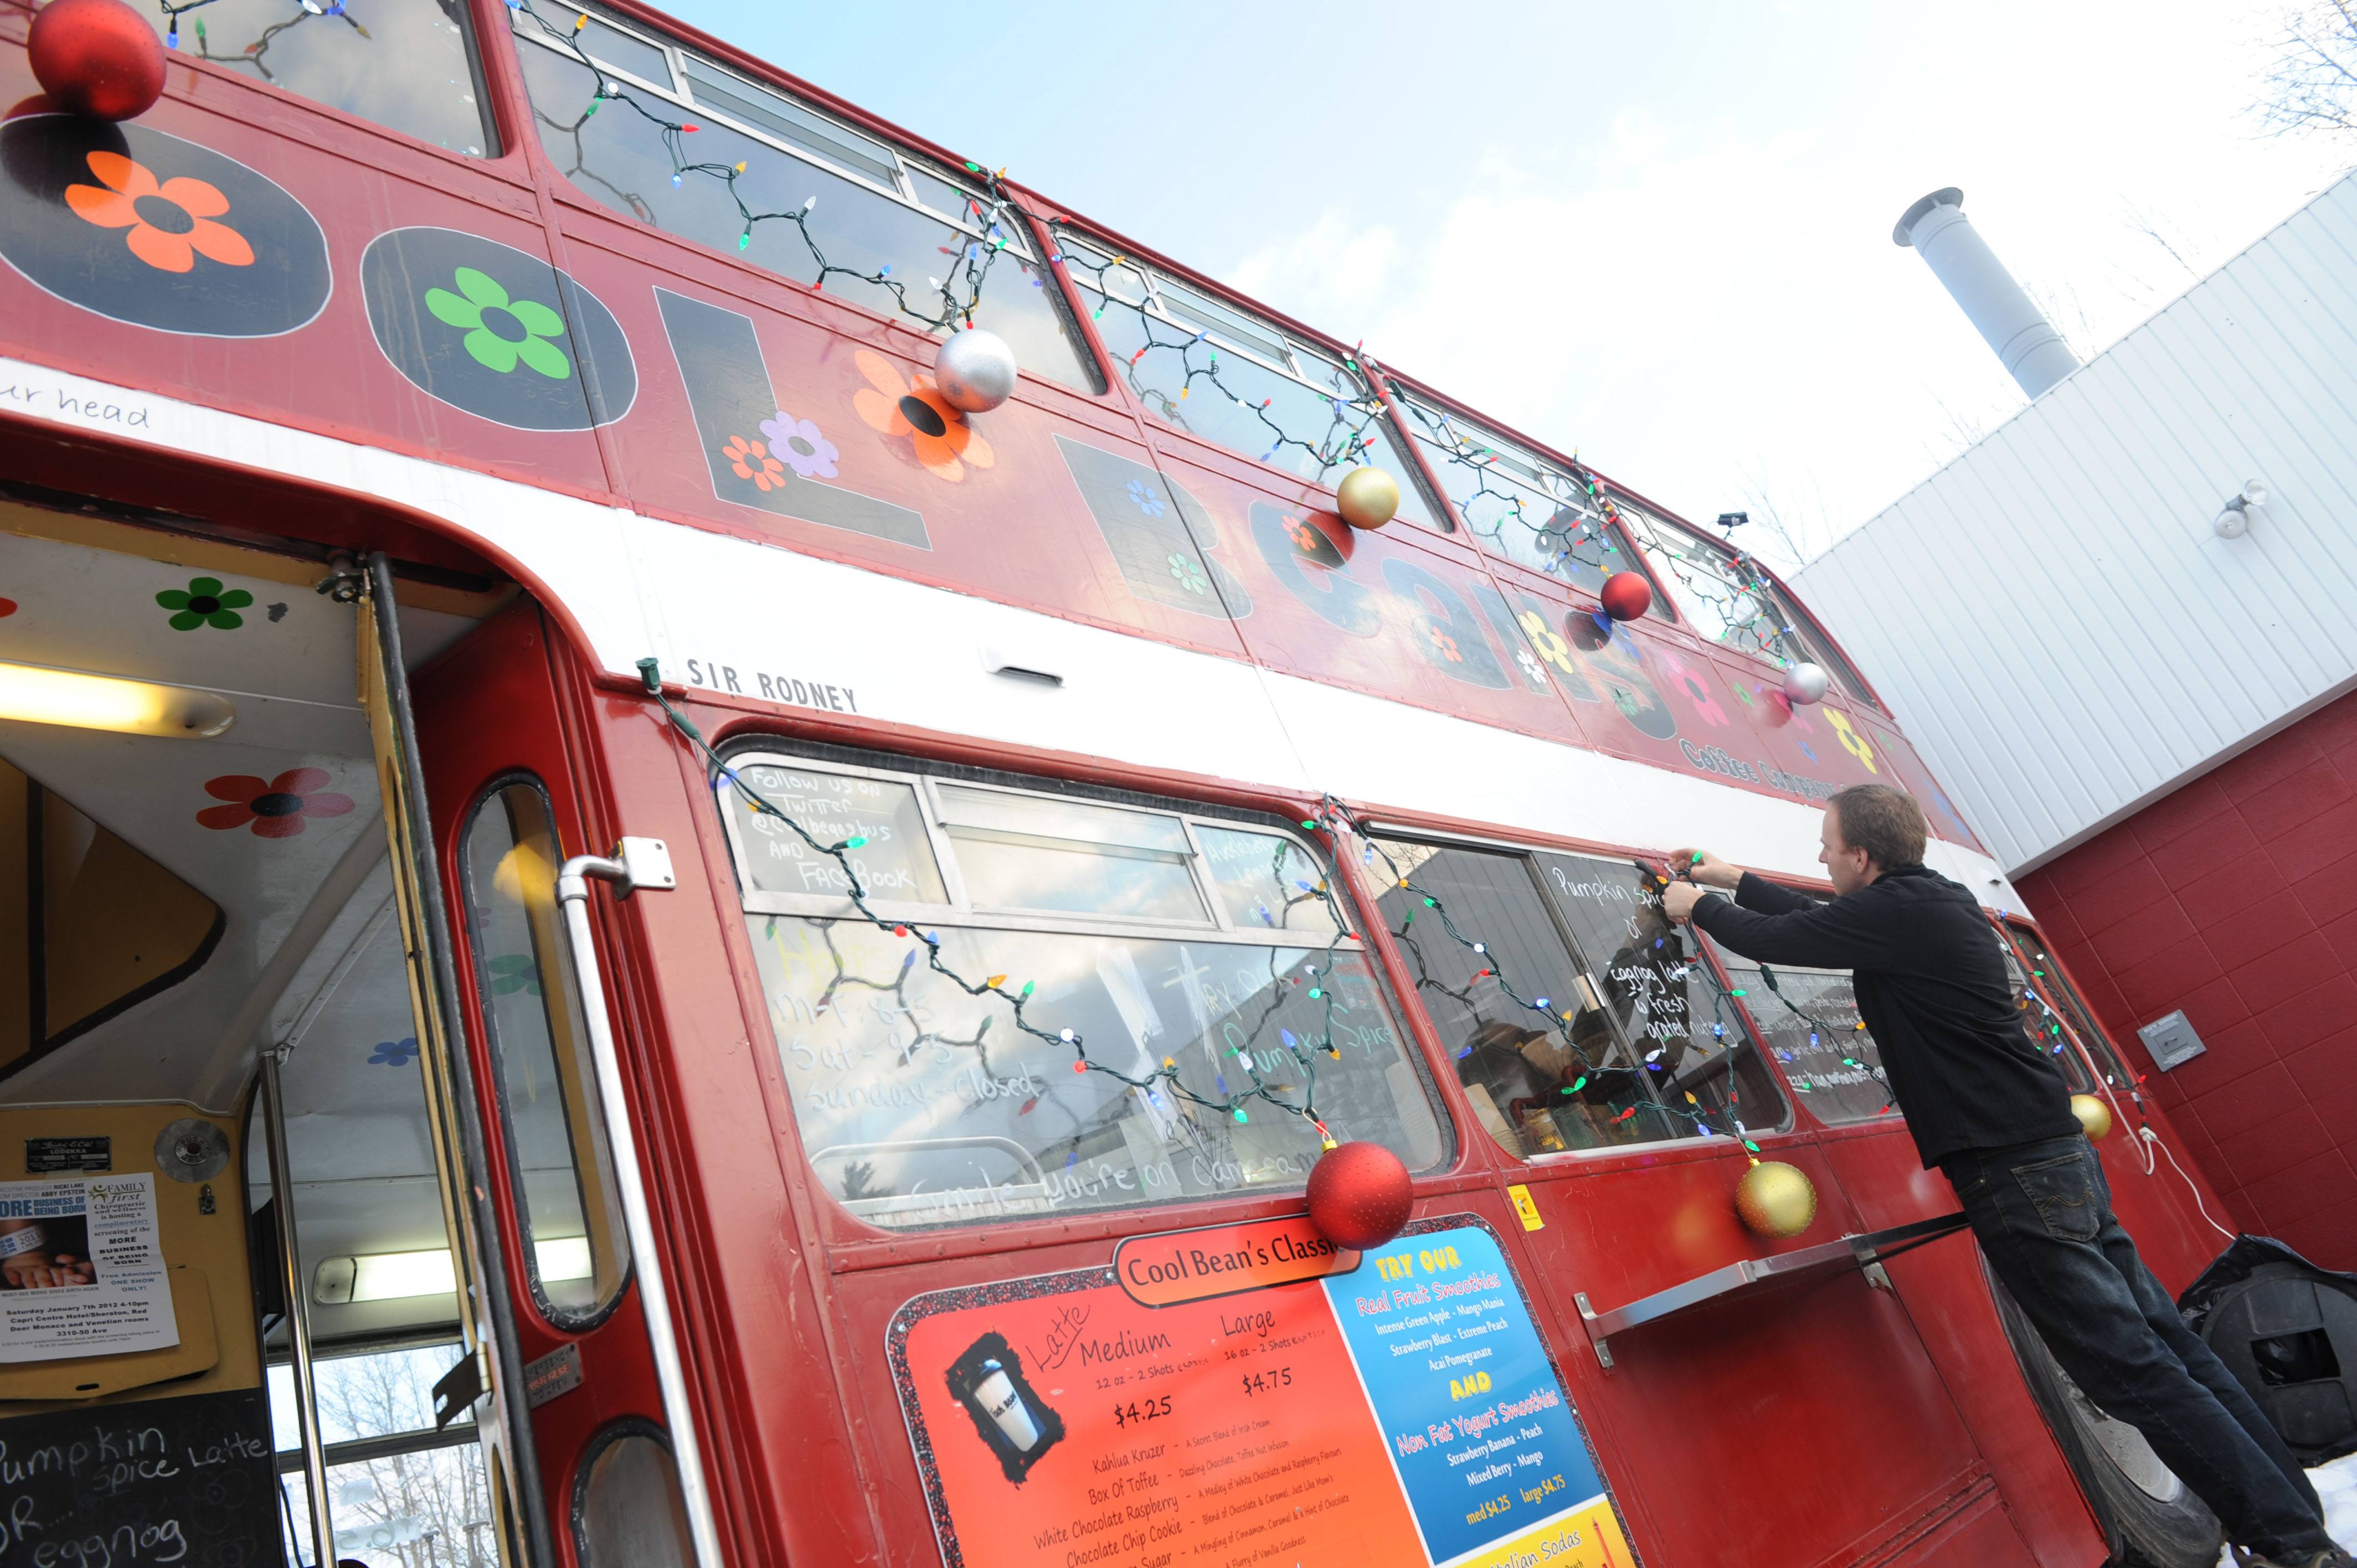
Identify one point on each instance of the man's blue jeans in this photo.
(2043, 1214)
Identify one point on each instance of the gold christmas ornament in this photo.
(1368, 498)
(1775, 1199)
(2094, 1113)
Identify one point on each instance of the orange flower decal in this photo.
(752, 461)
(171, 224)
(944, 442)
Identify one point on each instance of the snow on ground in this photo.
(2337, 1483)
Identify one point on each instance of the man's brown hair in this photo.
(1885, 822)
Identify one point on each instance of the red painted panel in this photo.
(1948, 1300)
(1828, 1356)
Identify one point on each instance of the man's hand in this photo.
(1701, 866)
(1679, 900)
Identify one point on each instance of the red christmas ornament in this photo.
(1359, 1194)
(97, 57)
(1627, 596)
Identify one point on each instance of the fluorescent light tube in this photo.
(37, 694)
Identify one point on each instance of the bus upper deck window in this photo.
(769, 179)
(1172, 1044)
(412, 69)
(547, 1085)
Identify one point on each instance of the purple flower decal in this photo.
(797, 444)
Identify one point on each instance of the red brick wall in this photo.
(2234, 898)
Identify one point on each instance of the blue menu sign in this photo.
(1484, 1443)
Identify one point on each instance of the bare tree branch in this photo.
(2310, 89)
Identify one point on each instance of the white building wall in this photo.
(2059, 630)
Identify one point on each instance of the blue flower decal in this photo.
(394, 1053)
(1145, 498)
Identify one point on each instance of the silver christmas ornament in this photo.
(976, 370)
(1804, 682)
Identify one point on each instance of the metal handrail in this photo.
(631, 872)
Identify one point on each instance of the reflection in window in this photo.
(1811, 1021)
(1207, 367)
(895, 864)
(1266, 879)
(1616, 1055)
(1023, 852)
(2073, 1007)
(922, 1104)
(1521, 507)
(2043, 1029)
(768, 178)
(407, 66)
(1724, 601)
(560, 1169)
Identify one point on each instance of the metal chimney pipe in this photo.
(2032, 352)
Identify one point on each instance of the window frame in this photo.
(1015, 226)
(1417, 416)
(1528, 853)
(563, 1319)
(755, 748)
(1294, 351)
(961, 909)
(1791, 618)
(680, 93)
(2069, 1008)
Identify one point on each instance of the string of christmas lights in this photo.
(1338, 822)
(1584, 538)
(960, 292)
(255, 53)
(1335, 819)
(1356, 420)
(1018, 1000)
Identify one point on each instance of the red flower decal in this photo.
(277, 807)
(1444, 644)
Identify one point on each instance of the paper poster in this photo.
(81, 1271)
(1400, 1413)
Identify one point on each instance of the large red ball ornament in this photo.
(1359, 1194)
(97, 57)
(1627, 596)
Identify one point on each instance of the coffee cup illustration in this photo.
(1009, 1414)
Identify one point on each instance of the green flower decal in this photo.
(1190, 577)
(205, 603)
(499, 331)
(511, 973)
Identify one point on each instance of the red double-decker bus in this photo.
(634, 933)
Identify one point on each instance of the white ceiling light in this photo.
(37, 694)
(2235, 518)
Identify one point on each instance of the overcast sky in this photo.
(1659, 235)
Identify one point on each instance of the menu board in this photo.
(1394, 1409)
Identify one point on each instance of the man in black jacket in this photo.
(1992, 1112)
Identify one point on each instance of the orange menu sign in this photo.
(1400, 1415)
(1224, 1260)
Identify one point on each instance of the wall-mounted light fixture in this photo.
(37, 694)
(2235, 518)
